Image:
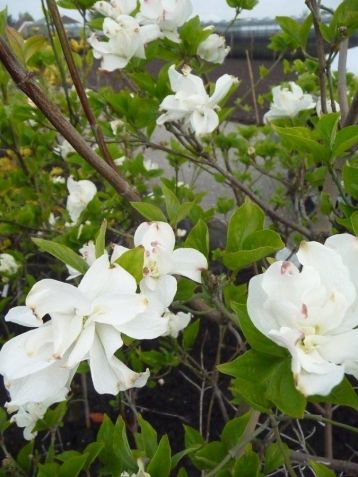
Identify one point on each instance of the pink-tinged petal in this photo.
(48, 296)
(190, 263)
(82, 346)
(24, 316)
(155, 234)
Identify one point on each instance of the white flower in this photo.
(213, 49)
(180, 233)
(8, 264)
(115, 8)
(150, 165)
(313, 313)
(191, 103)
(58, 180)
(120, 161)
(126, 39)
(141, 472)
(328, 106)
(176, 322)
(167, 15)
(27, 415)
(86, 323)
(286, 254)
(88, 252)
(288, 102)
(117, 123)
(64, 149)
(161, 260)
(80, 195)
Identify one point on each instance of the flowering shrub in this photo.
(154, 246)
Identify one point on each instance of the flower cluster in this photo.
(128, 30)
(128, 34)
(8, 265)
(191, 104)
(313, 312)
(80, 195)
(87, 322)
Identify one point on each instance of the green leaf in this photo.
(291, 27)
(160, 465)
(48, 470)
(210, 455)
(252, 371)
(321, 470)
(121, 446)
(234, 429)
(350, 179)
(282, 392)
(73, 466)
(354, 222)
(198, 238)
(92, 451)
(303, 140)
(25, 457)
(3, 20)
(149, 211)
(256, 246)
(274, 457)
(100, 244)
(147, 438)
(172, 204)
(327, 127)
(63, 253)
(247, 219)
(248, 465)
(182, 212)
(192, 437)
(190, 334)
(345, 139)
(133, 261)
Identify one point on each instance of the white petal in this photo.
(24, 316)
(164, 290)
(189, 263)
(204, 121)
(101, 279)
(159, 233)
(48, 296)
(321, 384)
(222, 87)
(82, 346)
(147, 325)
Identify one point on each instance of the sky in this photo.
(209, 10)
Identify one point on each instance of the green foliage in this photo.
(63, 253)
(247, 241)
(132, 260)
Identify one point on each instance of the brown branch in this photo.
(349, 468)
(352, 115)
(313, 7)
(253, 91)
(342, 79)
(97, 131)
(24, 81)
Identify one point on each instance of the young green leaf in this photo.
(63, 253)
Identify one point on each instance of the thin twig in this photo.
(342, 79)
(24, 81)
(97, 131)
